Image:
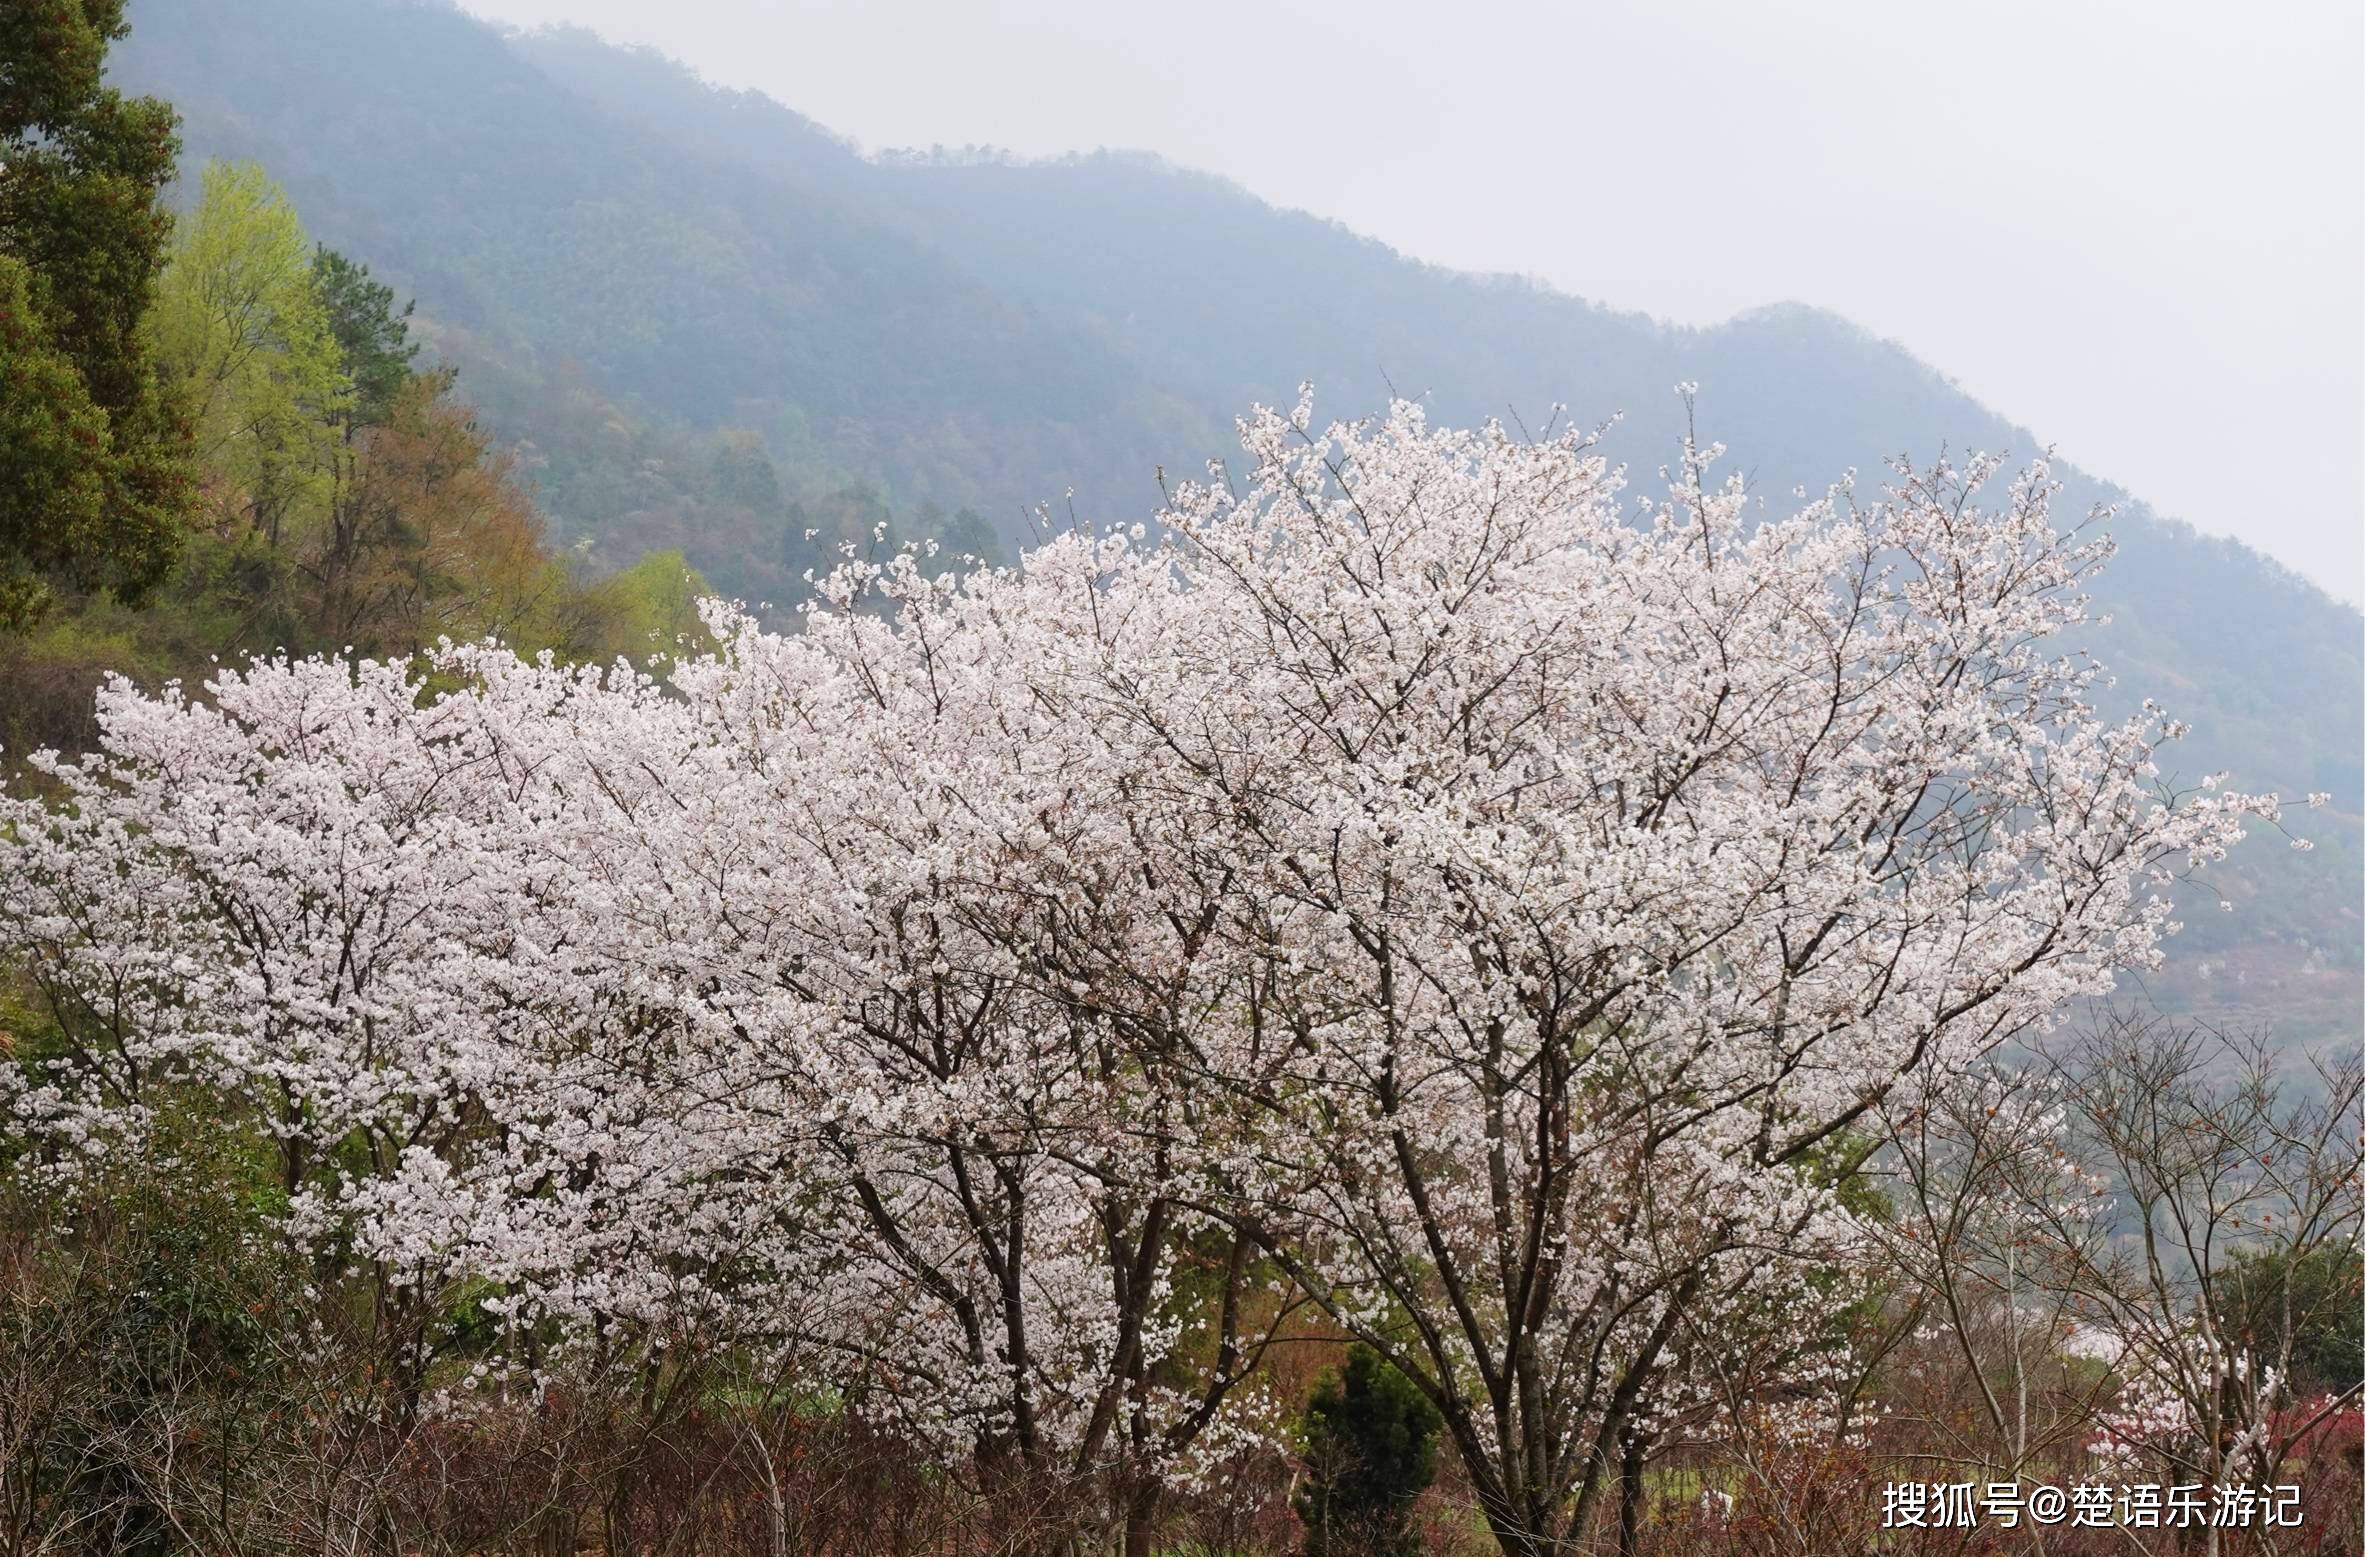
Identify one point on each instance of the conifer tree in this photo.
(93, 455)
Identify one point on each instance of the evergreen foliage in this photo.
(1370, 1451)
(92, 451)
(2317, 1299)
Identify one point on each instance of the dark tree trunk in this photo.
(1140, 1521)
(1630, 1499)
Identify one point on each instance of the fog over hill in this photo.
(707, 322)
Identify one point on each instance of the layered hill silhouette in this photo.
(707, 322)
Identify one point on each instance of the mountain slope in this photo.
(548, 233)
(1226, 300)
(604, 244)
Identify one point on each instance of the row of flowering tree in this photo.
(1416, 891)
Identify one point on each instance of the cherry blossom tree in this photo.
(1611, 867)
(997, 1131)
(1414, 882)
(331, 906)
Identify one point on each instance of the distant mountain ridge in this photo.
(707, 319)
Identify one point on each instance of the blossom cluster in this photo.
(1405, 883)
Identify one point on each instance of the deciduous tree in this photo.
(241, 330)
(1416, 883)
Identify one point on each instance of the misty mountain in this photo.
(707, 322)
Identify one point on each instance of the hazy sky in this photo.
(2137, 227)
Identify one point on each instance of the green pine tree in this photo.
(94, 457)
(1371, 1450)
(373, 336)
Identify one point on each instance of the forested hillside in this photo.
(706, 323)
(1404, 991)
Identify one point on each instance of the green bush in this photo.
(1370, 1451)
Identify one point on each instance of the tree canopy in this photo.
(1404, 889)
(93, 449)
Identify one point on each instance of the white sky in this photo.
(2137, 226)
